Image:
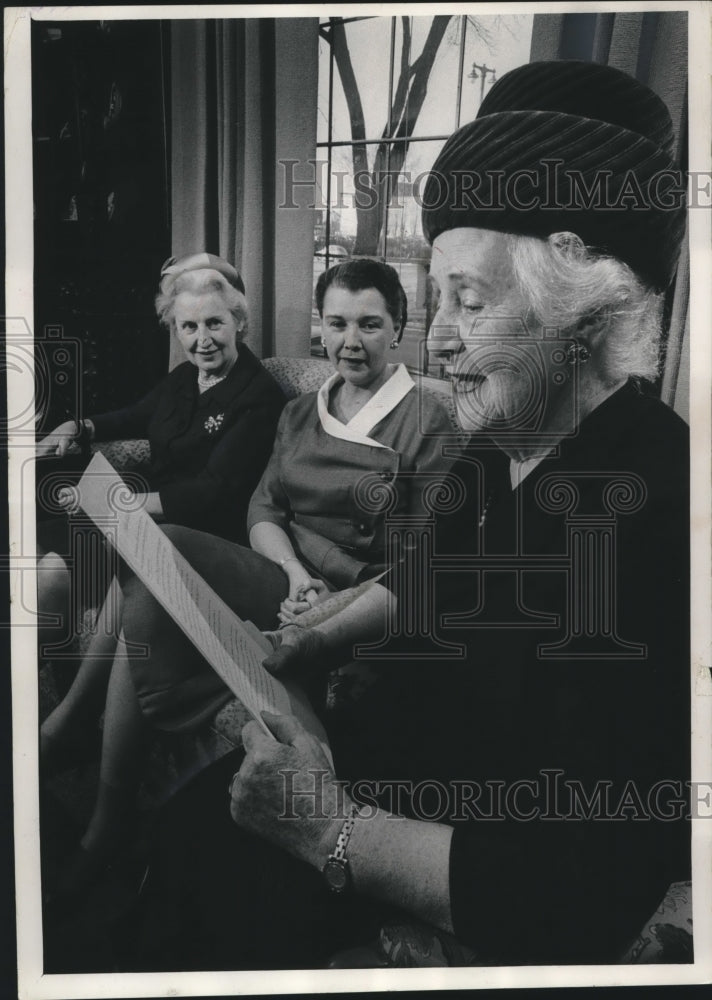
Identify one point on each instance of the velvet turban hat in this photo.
(567, 147)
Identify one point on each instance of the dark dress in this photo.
(208, 450)
(593, 698)
(599, 692)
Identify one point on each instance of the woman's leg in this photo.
(53, 583)
(55, 626)
(83, 704)
(176, 688)
(53, 586)
(74, 573)
(123, 751)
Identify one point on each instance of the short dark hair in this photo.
(356, 275)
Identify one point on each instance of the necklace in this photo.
(207, 381)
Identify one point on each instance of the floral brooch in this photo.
(213, 424)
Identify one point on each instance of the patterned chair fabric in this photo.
(667, 934)
(126, 456)
(665, 939)
(295, 376)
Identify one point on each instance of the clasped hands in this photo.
(305, 592)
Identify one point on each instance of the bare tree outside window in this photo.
(408, 96)
(391, 92)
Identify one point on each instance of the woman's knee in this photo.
(188, 540)
(52, 581)
(200, 549)
(141, 612)
(140, 607)
(52, 564)
(176, 532)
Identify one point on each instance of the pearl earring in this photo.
(394, 345)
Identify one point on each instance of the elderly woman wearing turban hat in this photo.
(538, 779)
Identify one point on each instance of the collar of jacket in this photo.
(240, 376)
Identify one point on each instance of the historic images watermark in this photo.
(550, 187)
(549, 796)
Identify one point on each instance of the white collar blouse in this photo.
(358, 429)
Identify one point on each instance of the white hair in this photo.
(570, 286)
(199, 282)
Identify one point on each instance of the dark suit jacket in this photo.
(208, 450)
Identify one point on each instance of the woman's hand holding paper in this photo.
(286, 790)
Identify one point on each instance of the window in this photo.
(391, 91)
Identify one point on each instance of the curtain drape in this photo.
(243, 100)
(651, 46)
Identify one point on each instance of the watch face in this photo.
(335, 874)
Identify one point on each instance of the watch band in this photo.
(342, 840)
(336, 870)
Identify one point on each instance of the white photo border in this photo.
(33, 985)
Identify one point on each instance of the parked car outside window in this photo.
(333, 250)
